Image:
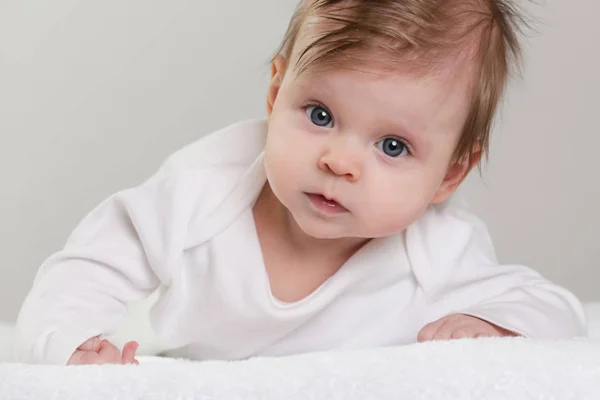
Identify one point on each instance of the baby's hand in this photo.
(459, 326)
(95, 351)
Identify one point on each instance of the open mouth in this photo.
(326, 205)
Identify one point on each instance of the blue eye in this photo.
(393, 147)
(319, 116)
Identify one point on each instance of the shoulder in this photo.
(207, 199)
(235, 145)
(451, 222)
(448, 237)
(202, 173)
(187, 191)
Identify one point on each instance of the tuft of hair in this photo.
(417, 34)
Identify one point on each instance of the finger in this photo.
(484, 334)
(499, 331)
(438, 330)
(75, 358)
(459, 326)
(429, 330)
(489, 331)
(462, 329)
(91, 358)
(444, 333)
(85, 358)
(485, 329)
(465, 332)
(92, 344)
(454, 324)
(109, 353)
(129, 352)
(136, 362)
(451, 324)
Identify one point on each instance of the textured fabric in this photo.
(485, 369)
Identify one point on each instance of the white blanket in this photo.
(466, 369)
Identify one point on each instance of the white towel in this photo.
(483, 369)
(465, 369)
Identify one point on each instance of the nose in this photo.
(342, 162)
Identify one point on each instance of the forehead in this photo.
(313, 50)
(425, 84)
(426, 100)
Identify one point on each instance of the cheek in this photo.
(276, 170)
(284, 153)
(287, 159)
(290, 147)
(278, 177)
(393, 202)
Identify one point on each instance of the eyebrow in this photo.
(320, 88)
(398, 128)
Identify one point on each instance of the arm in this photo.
(119, 253)
(456, 266)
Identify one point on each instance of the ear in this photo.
(456, 174)
(278, 68)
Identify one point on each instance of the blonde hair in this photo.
(418, 32)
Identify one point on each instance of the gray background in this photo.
(95, 94)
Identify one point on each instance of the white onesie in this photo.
(190, 231)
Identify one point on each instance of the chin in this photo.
(320, 229)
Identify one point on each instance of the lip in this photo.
(325, 204)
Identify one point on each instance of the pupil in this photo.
(320, 117)
(393, 147)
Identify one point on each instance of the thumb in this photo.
(129, 353)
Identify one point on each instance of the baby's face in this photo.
(377, 143)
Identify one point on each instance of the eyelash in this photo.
(316, 103)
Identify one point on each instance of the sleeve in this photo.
(455, 264)
(121, 252)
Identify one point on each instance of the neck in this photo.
(268, 211)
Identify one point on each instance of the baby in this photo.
(332, 224)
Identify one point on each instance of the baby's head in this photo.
(383, 106)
